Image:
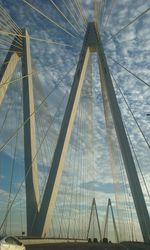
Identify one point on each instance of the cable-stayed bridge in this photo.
(69, 128)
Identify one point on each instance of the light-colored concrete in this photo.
(31, 172)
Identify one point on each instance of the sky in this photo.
(55, 65)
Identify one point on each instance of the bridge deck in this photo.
(89, 246)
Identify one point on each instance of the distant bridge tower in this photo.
(38, 218)
(109, 205)
(94, 210)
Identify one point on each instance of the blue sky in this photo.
(130, 48)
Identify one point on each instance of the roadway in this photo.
(89, 246)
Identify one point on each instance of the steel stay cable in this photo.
(10, 107)
(109, 14)
(79, 6)
(9, 51)
(91, 142)
(17, 79)
(82, 132)
(48, 18)
(6, 43)
(77, 12)
(111, 150)
(124, 221)
(43, 139)
(130, 72)
(9, 36)
(51, 42)
(84, 164)
(6, 28)
(52, 226)
(64, 16)
(75, 166)
(5, 118)
(79, 161)
(99, 15)
(70, 12)
(78, 114)
(11, 173)
(135, 155)
(65, 199)
(84, 11)
(84, 142)
(20, 78)
(35, 38)
(42, 131)
(57, 217)
(88, 173)
(71, 186)
(78, 15)
(40, 134)
(37, 108)
(100, 11)
(131, 111)
(84, 180)
(13, 162)
(34, 72)
(128, 201)
(9, 76)
(48, 147)
(103, 12)
(10, 18)
(71, 192)
(79, 165)
(12, 169)
(51, 66)
(69, 197)
(131, 22)
(124, 189)
(97, 10)
(12, 27)
(140, 172)
(132, 221)
(22, 182)
(80, 12)
(56, 207)
(85, 130)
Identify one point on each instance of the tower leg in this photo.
(133, 179)
(31, 171)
